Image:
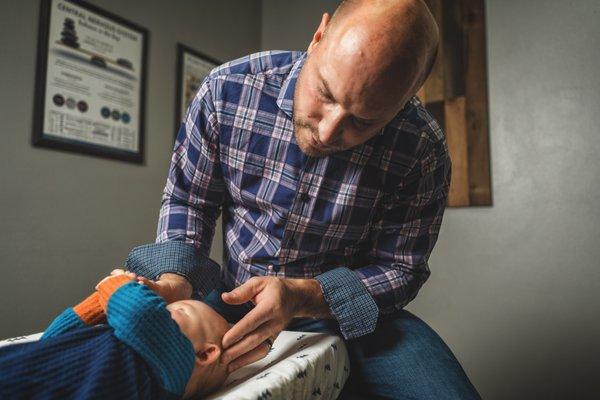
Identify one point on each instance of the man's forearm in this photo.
(309, 300)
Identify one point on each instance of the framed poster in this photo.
(90, 81)
(192, 68)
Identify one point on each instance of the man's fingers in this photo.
(102, 281)
(244, 292)
(144, 281)
(257, 316)
(249, 343)
(150, 283)
(117, 271)
(256, 354)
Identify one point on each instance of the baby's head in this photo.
(204, 327)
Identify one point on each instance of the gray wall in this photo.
(514, 288)
(67, 219)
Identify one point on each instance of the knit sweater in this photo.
(139, 353)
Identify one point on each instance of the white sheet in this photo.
(300, 365)
(21, 339)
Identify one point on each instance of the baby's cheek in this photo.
(192, 333)
(182, 325)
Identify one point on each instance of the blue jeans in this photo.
(402, 359)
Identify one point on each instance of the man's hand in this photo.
(171, 287)
(277, 301)
(116, 272)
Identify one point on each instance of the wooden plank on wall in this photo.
(433, 88)
(456, 95)
(455, 127)
(454, 49)
(436, 109)
(477, 103)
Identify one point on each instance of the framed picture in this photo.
(192, 68)
(90, 81)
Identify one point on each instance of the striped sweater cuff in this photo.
(108, 286)
(90, 311)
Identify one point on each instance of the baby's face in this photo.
(198, 321)
(204, 327)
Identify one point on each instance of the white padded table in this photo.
(21, 339)
(300, 365)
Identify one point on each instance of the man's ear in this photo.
(208, 354)
(318, 35)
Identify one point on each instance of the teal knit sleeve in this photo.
(66, 321)
(140, 319)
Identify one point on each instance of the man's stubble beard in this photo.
(305, 145)
(303, 126)
(304, 133)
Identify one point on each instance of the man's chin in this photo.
(316, 152)
(311, 150)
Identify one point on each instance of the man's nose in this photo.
(330, 127)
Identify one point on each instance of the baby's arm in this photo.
(140, 319)
(89, 312)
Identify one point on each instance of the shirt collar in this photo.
(285, 100)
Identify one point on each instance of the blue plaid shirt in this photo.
(362, 222)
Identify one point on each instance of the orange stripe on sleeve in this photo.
(90, 311)
(109, 286)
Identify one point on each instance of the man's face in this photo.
(342, 98)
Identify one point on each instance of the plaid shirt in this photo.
(362, 222)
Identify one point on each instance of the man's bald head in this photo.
(362, 67)
(407, 24)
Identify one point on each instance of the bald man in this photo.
(332, 179)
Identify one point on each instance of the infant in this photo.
(123, 341)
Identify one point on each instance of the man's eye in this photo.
(324, 95)
(359, 123)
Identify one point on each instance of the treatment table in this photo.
(300, 365)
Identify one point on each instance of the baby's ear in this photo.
(208, 354)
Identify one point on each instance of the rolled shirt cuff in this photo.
(155, 259)
(349, 301)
